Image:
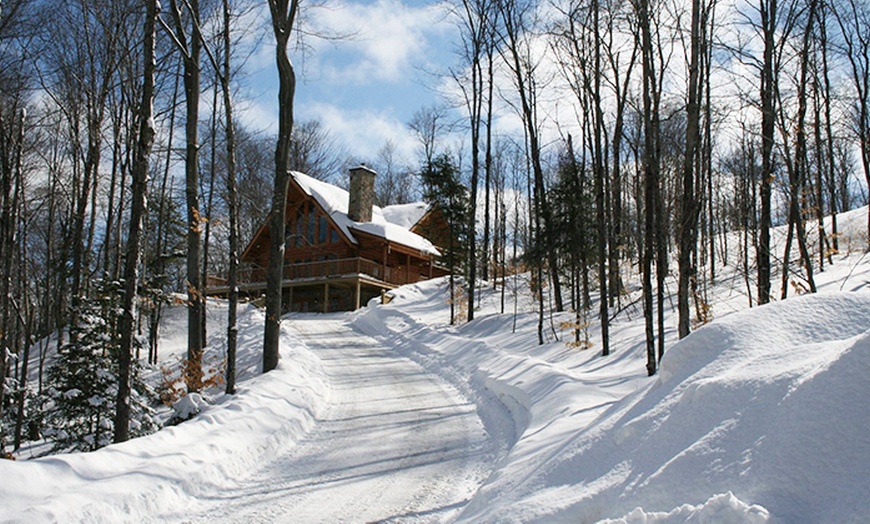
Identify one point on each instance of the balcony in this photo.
(340, 269)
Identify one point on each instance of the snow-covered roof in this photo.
(405, 215)
(334, 200)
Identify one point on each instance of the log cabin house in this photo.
(340, 249)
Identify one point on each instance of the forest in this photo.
(591, 144)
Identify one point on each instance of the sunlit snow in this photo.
(760, 415)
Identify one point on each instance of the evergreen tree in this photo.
(573, 209)
(444, 191)
(79, 405)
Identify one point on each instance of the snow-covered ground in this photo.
(391, 414)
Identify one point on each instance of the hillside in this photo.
(759, 415)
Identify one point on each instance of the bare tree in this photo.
(689, 209)
(79, 63)
(187, 38)
(580, 42)
(475, 19)
(516, 23)
(137, 215)
(798, 164)
(429, 124)
(854, 22)
(768, 9)
(395, 182)
(651, 150)
(283, 18)
(232, 204)
(315, 152)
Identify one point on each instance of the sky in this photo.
(365, 84)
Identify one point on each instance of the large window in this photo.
(312, 224)
(308, 228)
(300, 228)
(322, 229)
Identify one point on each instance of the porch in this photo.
(330, 285)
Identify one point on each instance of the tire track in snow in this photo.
(396, 443)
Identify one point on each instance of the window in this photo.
(311, 225)
(333, 236)
(300, 228)
(322, 228)
(288, 231)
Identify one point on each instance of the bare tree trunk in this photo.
(137, 215)
(488, 174)
(525, 84)
(768, 10)
(25, 316)
(283, 17)
(232, 203)
(831, 176)
(798, 167)
(650, 177)
(688, 225)
(12, 184)
(189, 44)
(600, 182)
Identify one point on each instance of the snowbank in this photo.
(769, 404)
(760, 415)
(162, 474)
(720, 509)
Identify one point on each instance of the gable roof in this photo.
(334, 201)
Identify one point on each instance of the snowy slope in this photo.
(766, 406)
(151, 477)
(760, 415)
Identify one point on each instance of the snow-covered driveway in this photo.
(395, 443)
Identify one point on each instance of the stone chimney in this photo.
(362, 194)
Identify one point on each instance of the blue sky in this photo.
(365, 86)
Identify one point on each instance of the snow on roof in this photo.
(334, 200)
(405, 215)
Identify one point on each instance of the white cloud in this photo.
(387, 39)
(259, 115)
(363, 132)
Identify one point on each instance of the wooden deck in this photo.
(350, 281)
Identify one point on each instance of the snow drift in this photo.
(769, 404)
(160, 476)
(759, 415)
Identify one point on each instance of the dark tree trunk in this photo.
(283, 17)
(768, 9)
(137, 215)
(600, 182)
(232, 204)
(650, 178)
(190, 49)
(688, 225)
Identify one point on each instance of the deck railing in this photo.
(329, 269)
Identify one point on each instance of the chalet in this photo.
(340, 249)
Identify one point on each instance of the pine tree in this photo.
(445, 191)
(573, 201)
(79, 407)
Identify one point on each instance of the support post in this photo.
(358, 293)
